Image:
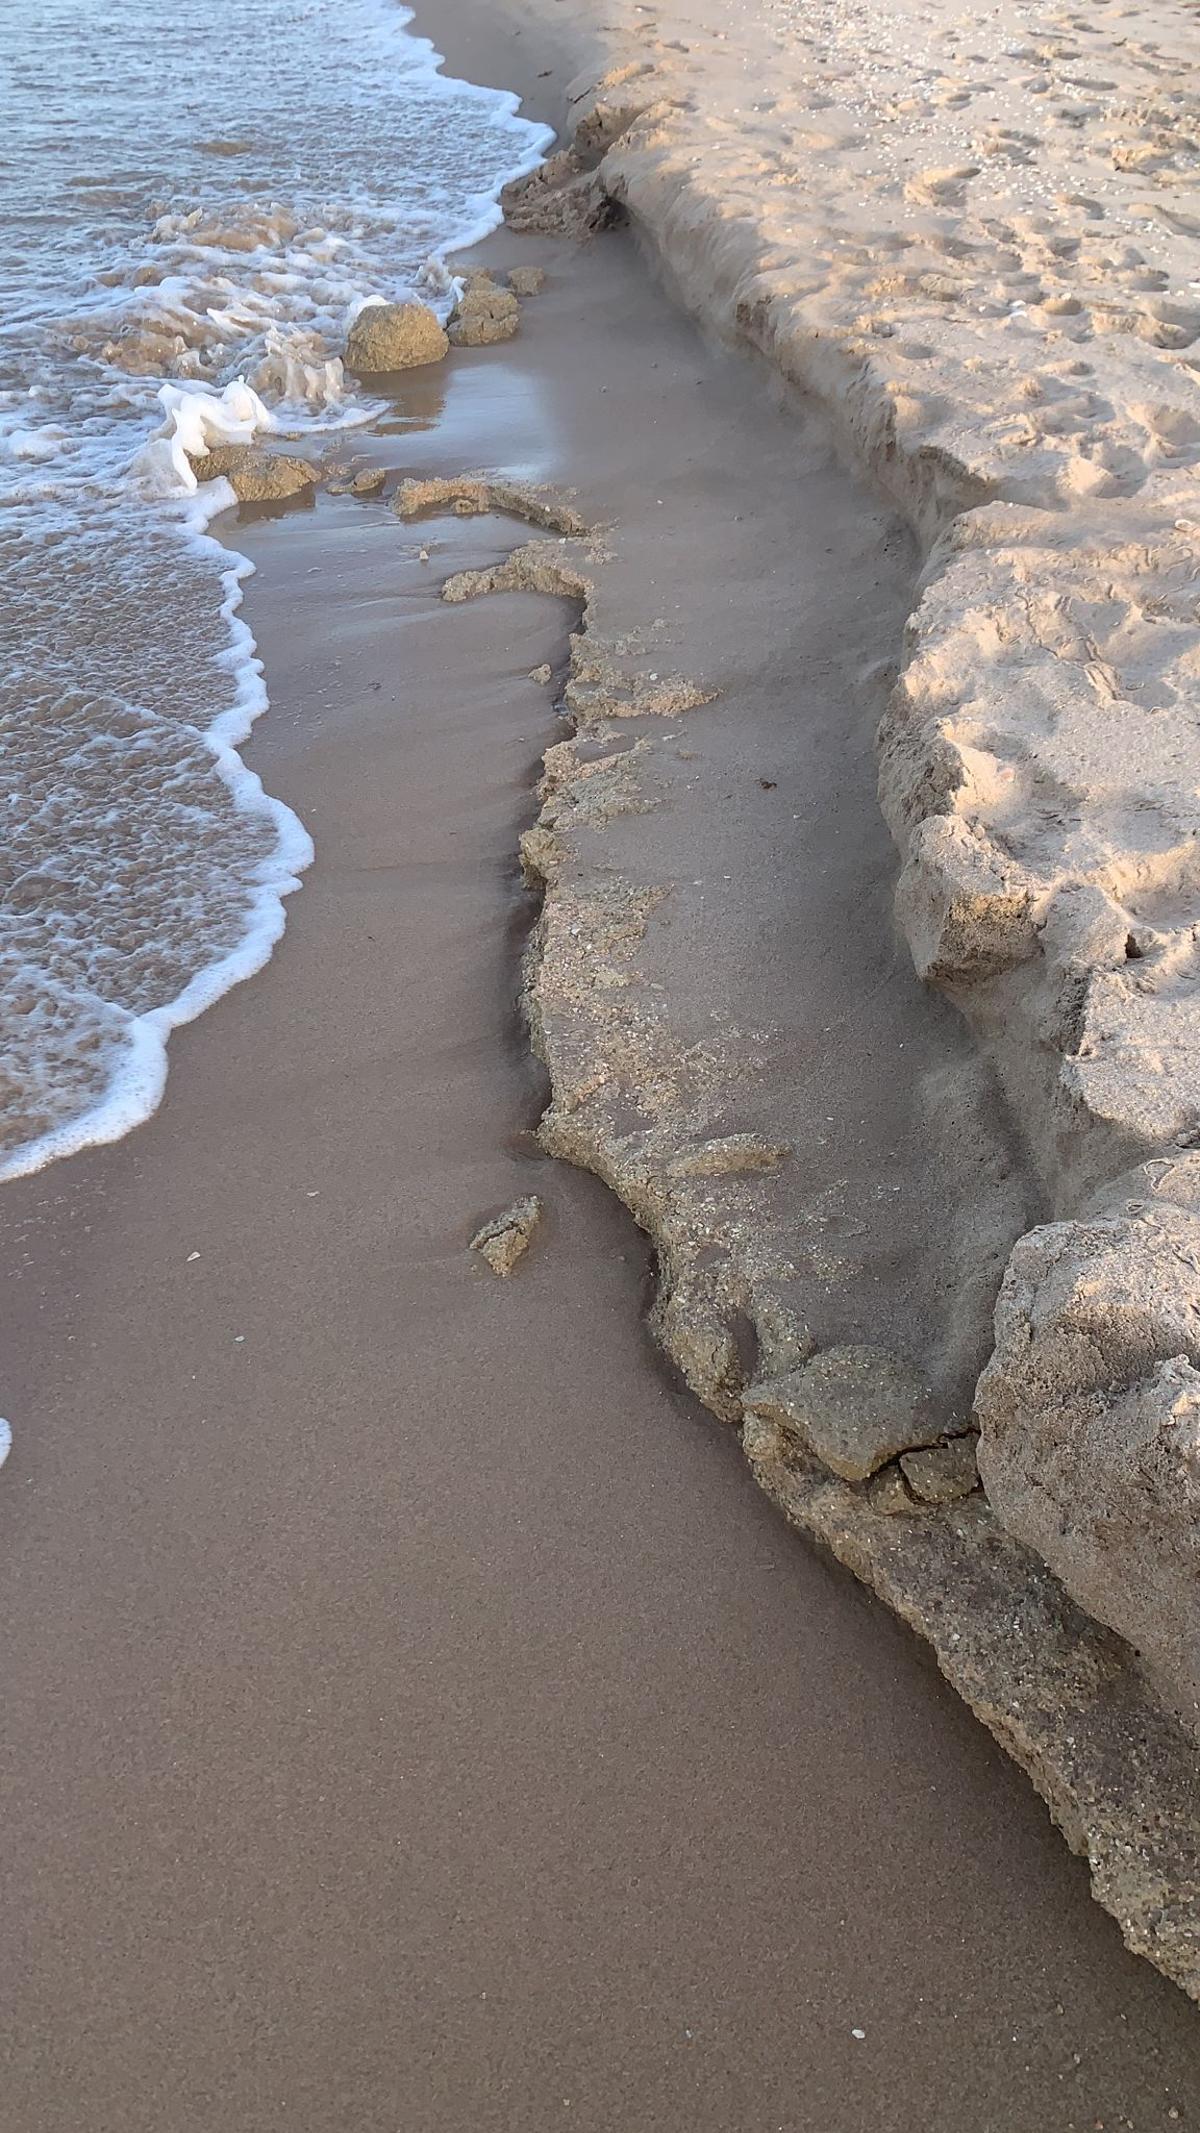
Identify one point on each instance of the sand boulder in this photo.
(1090, 1419)
(395, 337)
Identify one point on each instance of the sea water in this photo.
(194, 200)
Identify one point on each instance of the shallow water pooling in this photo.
(189, 199)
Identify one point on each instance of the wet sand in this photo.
(414, 1716)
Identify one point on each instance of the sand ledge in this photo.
(1024, 926)
(1063, 1695)
(1035, 756)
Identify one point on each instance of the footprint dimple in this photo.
(1171, 426)
(941, 188)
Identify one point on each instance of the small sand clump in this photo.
(527, 281)
(395, 337)
(484, 313)
(507, 1237)
(255, 476)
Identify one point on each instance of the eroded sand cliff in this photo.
(973, 244)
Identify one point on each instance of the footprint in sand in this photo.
(825, 140)
(1148, 281)
(1000, 146)
(940, 188)
(1173, 429)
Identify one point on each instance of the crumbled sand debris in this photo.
(538, 567)
(563, 198)
(472, 495)
(527, 281)
(368, 481)
(887, 1495)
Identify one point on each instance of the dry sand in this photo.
(413, 1716)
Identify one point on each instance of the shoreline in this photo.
(1063, 1695)
(121, 955)
(413, 1712)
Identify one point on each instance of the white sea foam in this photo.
(33, 444)
(195, 421)
(189, 284)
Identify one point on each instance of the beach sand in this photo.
(415, 1718)
(975, 242)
